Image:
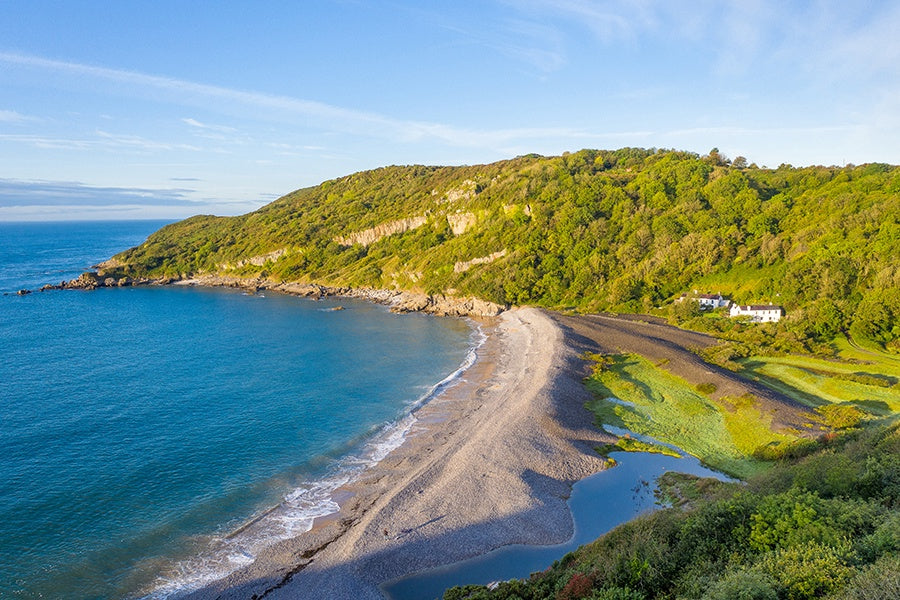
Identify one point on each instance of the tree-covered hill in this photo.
(624, 230)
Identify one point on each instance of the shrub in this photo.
(706, 388)
(884, 540)
(578, 586)
(841, 416)
(789, 519)
(617, 593)
(879, 581)
(807, 571)
(743, 585)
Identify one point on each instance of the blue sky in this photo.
(135, 109)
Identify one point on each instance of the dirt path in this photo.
(671, 348)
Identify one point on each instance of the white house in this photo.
(707, 300)
(712, 301)
(760, 313)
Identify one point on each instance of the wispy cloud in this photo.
(102, 140)
(199, 125)
(534, 43)
(11, 116)
(48, 141)
(15, 192)
(736, 130)
(188, 88)
(324, 115)
(611, 22)
(136, 142)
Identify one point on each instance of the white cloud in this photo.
(16, 192)
(534, 43)
(199, 125)
(609, 21)
(11, 116)
(325, 116)
(103, 141)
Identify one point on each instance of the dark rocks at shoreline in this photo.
(398, 301)
(91, 280)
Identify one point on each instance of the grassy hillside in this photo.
(624, 230)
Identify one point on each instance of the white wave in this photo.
(300, 508)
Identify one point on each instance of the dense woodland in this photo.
(625, 230)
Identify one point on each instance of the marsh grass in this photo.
(733, 434)
(653, 402)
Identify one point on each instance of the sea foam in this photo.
(300, 508)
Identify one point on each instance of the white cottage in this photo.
(712, 301)
(760, 313)
(706, 300)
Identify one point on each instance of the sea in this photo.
(153, 439)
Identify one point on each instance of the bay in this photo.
(142, 426)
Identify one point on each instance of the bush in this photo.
(616, 593)
(790, 519)
(879, 581)
(841, 416)
(884, 540)
(743, 585)
(578, 586)
(706, 388)
(807, 571)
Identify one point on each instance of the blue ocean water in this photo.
(143, 428)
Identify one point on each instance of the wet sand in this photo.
(490, 463)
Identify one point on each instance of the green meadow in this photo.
(732, 434)
(863, 378)
(634, 394)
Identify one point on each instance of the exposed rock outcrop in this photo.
(257, 261)
(465, 265)
(461, 222)
(92, 280)
(466, 190)
(373, 234)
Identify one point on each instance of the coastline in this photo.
(398, 301)
(488, 463)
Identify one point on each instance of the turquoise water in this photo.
(142, 426)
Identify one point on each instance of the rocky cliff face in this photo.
(461, 222)
(465, 265)
(372, 235)
(258, 261)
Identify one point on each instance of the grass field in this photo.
(637, 395)
(861, 377)
(648, 381)
(855, 350)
